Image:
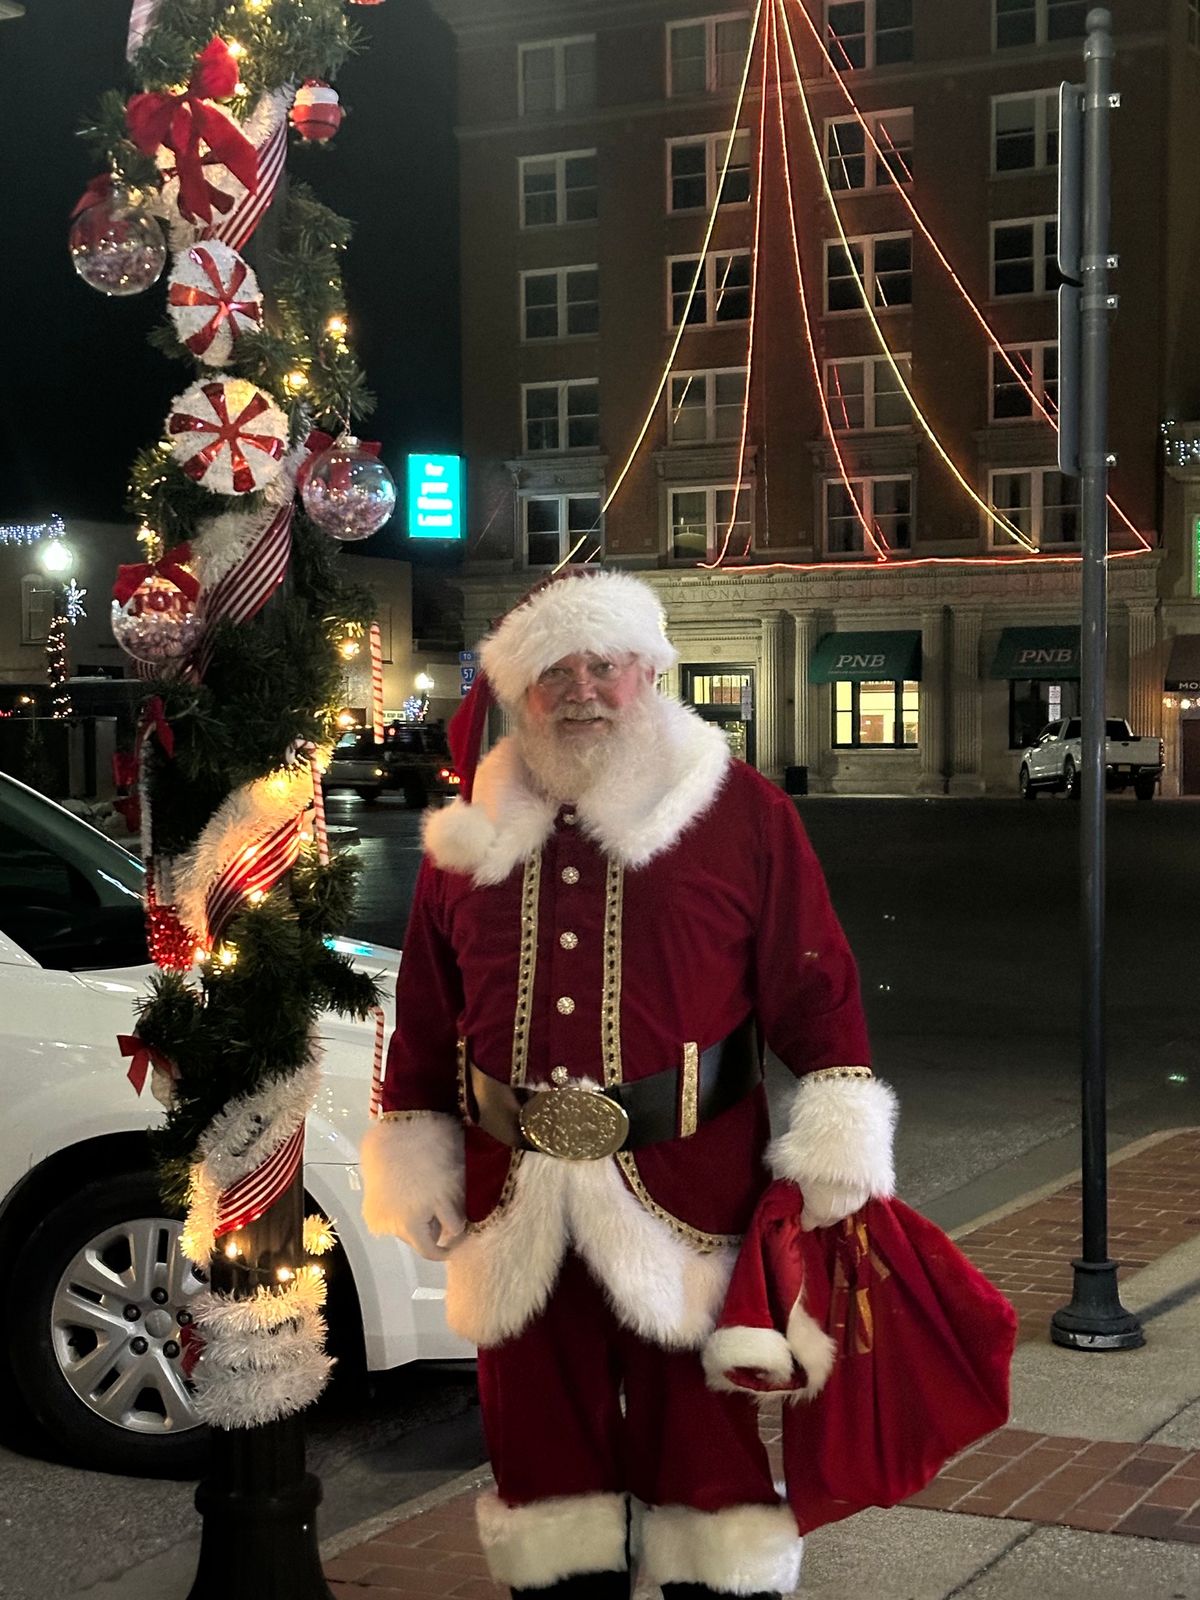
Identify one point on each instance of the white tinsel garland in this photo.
(247, 1377)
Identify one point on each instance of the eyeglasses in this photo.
(594, 671)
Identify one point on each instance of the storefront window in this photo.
(1033, 702)
(878, 716)
(724, 697)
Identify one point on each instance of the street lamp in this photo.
(423, 682)
(56, 556)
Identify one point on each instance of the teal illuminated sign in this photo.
(435, 497)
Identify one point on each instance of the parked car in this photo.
(1055, 760)
(90, 1268)
(417, 759)
(357, 763)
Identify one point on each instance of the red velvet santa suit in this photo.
(605, 938)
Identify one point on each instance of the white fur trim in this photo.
(839, 1133)
(813, 1349)
(741, 1550)
(598, 611)
(533, 1546)
(500, 1277)
(632, 822)
(412, 1170)
(761, 1350)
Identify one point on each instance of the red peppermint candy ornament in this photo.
(317, 112)
(228, 434)
(213, 299)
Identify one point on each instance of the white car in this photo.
(1055, 760)
(90, 1271)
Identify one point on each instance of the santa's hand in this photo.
(437, 1235)
(827, 1203)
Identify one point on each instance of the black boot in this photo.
(584, 1586)
(697, 1591)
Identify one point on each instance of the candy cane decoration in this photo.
(377, 1067)
(320, 830)
(377, 682)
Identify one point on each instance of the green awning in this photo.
(1037, 653)
(1183, 670)
(866, 658)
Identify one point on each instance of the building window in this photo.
(876, 716)
(1041, 502)
(554, 524)
(1010, 398)
(694, 170)
(886, 505)
(868, 33)
(853, 161)
(706, 406)
(557, 75)
(1017, 22)
(1025, 131)
(1024, 256)
(702, 517)
(562, 416)
(884, 263)
(1033, 702)
(722, 295)
(559, 188)
(560, 303)
(864, 392)
(707, 54)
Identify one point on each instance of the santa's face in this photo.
(581, 697)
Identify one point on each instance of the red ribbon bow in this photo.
(99, 189)
(228, 432)
(222, 297)
(317, 443)
(144, 1058)
(154, 720)
(133, 574)
(181, 121)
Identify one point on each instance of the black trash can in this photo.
(795, 780)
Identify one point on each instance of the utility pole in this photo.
(1095, 1319)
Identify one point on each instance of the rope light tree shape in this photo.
(233, 617)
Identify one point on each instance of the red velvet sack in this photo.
(894, 1351)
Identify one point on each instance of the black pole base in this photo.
(1095, 1318)
(259, 1540)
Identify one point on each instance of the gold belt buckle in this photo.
(574, 1124)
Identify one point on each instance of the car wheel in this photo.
(98, 1299)
(369, 796)
(1028, 792)
(1144, 788)
(1072, 787)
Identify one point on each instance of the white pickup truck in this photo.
(1054, 762)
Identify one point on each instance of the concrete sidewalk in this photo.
(1092, 1490)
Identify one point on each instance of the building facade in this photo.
(708, 337)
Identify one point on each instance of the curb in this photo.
(479, 1478)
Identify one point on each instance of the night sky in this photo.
(82, 391)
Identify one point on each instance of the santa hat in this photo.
(577, 609)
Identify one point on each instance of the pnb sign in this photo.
(852, 662)
(435, 497)
(1043, 656)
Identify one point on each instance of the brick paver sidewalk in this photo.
(1148, 1490)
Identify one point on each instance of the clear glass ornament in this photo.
(116, 246)
(348, 492)
(158, 624)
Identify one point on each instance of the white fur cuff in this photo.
(839, 1133)
(412, 1169)
(533, 1546)
(760, 1350)
(742, 1550)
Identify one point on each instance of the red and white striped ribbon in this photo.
(140, 19)
(245, 1201)
(377, 1068)
(246, 588)
(239, 223)
(256, 870)
(377, 682)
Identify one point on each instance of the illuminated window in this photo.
(883, 261)
(553, 524)
(1038, 365)
(1041, 502)
(557, 75)
(558, 188)
(694, 170)
(1025, 131)
(1024, 256)
(562, 416)
(868, 33)
(708, 54)
(701, 517)
(1017, 22)
(886, 504)
(722, 295)
(851, 158)
(876, 716)
(561, 303)
(706, 406)
(864, 393)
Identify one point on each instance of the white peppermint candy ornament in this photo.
(228, 434)
(213, 299)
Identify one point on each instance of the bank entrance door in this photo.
(724, 695)
(1189, 755)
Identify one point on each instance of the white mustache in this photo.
(575, 713)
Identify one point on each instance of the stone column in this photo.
(804, 637)
(966, 694)
(933, 701)
(769, 697)
(1144, 710)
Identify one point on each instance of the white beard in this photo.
(564, 769)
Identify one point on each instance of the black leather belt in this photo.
(582, 1124)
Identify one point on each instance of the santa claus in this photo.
(605, 932)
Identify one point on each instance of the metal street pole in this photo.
(1095, 1319)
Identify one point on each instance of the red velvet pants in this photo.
(555, 1423)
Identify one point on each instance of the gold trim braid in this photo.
(610, 997)
(827, 1073)
(531, 885)
(704, 1242)
(689, 1095)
